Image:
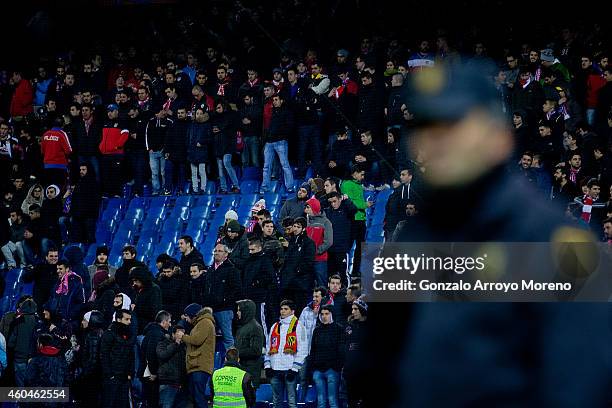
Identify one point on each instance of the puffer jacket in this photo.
(117, 352)
(148, 300)
(225, 139)
(153, 334)
(175, 294)
(201, 343)
(199, 133)
(250, 338)
(21, 332)
(320, 230)
(171, 357)
(258, 277)
(239, 248)
(90, 354)
(47, 369)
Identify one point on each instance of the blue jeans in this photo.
(281, 149)
(20, 373)
(197, 388)
(250, 152)
(320, 268)
(224, 321)
(279, 383)
(590, 116)
(326, 383)
(198, 172)
(227, 163)
(158, 171)
(171, 396)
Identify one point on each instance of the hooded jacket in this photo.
(21, 337)
(354, 191)
(175, 294)
(50, 213)
(293, 208)
(250, 339)
(47, 369)
(201, 343)
(90, 352)
(148, 299)
(105, 296)
(199, 133)
(74, 256)
(320, 230)
(155, 133)
(30, 199)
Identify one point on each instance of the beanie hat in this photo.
(192, 310)
(342, 53)
(315, 205)
(233, 226)
(306, 186)
(231, 215)
(547, 55)
(102, 250)
(87, 316)
(363, 306)
(259, 205)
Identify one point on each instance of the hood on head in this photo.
(315, 205)
(142, 274)
(96, 320)
(247, 310)
(74, 255)
(31, 189)
(127, 302)
(29, 306)
(54, 187)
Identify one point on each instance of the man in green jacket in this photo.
(353, 189)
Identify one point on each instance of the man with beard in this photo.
(118, 361)
(294, 207)
(147, 296)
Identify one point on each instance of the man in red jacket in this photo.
(55, 148)
(114, 137)
(320, 230)
(21, 102)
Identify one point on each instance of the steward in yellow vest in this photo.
(231, 385)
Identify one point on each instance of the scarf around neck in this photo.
(290, 339)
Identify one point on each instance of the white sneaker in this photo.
(383, 187)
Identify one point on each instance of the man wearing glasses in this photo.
(512, 71)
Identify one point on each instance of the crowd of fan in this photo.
(80, 134)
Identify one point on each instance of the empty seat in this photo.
(211, 188)
(197, 224)
(249, 186)
(180, 212)
(251, 173)
(185, 201)
(272, 198)
(135, 213)
(159, 201)
(151, 223)
(205, 201)
(129, 223)
(264, 393)
(229, 201)
(248, 200)
(164, 247)
(172, 224)
(125, 235)
(201, 212)
(196, 234)
(157, 212)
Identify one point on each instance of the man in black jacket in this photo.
(174, 289)
(259, 281)
(190, 255)
(236, 240)
(122, 275)
(327, 356)
(341, 214)
(370, 113)
(117, 355)
(155, 135)
(87, 138)
(44, 276)
(147, 296)
(85, 206)
(395, 209)
(154, 333)
(172, 372)
(175, 151)
(88, 386)
(251, 116)
(224, 290)
(198, 285)
(135, 147)
(281, 128)
(297, 273)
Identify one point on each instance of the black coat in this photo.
(105, 296)
(47, 369)
(341, 220)
(395, 209)
(155, 134)
(86, 198)
(117, 353)
(223, 287)
(254, 113)
(148, 300)
(90, 355)
(370, 111)
(225, 139)
(327, 347)
(258, 278)
(199, 291)
(44, 277)
(153, 335)
(199, 133)
(86, 143)
(175, 143)
(175, 294)
(171, 357)
(194, 256)
(122, 276)
(298, 269)
(239, 248)
(281, 125)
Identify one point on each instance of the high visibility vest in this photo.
(227, 384)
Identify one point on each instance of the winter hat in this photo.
(100, 276)
(259, 205)
(342, 53)
(233, 226)
(315, 205)
(192, 310)
(363, 306)
(112, 107)
(547, 55)
(279, 70)
(54, 187)
(306, 186)
(231, 215)
(87, 316)
(102, 250)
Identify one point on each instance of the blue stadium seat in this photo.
(229, 201)
(197, 224)
(200, 212)
(243, 211)
(170, 236)
(157, 212)
(272, 198)
(90, 256)
(180, 212)
(251, 173)
(172, 224)
(129, 223)
(243, 219)
(211, 188)
(137, 213)
(249, 186)
(218, 362)
(124, 235)
(164, 247)
(185, 201)
(196, 234)
(248, 200)
(159, 201)
(205, 201)
(137, 202)
(144, 245)
(151, 223)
